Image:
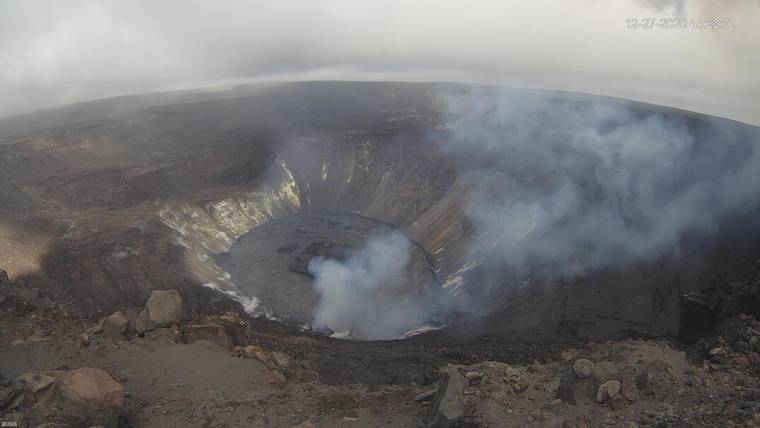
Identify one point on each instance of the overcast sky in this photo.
(56, 52)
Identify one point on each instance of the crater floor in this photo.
(271, 261)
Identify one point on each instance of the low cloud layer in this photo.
(55, 52)
(564, 188)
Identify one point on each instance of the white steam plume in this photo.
(562, 188)
(365, 294)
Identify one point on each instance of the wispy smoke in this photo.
(562, 188)
(367, 295)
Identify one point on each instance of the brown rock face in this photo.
(164, 307)
(115, 325)
(81, 397)
(89, 385)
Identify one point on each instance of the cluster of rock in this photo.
(702, 311)
(722, 322)
(605, 387)
(614, 389)
(19, 299)
(162, 315)
(81, 397)
(163, 310)
(91, 397)
(85, 396)
(736, 343)
(280, 366)
(448, 399)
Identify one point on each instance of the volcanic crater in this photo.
(227, 196)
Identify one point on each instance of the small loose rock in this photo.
(607, 391)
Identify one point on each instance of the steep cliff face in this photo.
(155, 198)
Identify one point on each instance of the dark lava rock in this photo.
(628, 388)
(737, 334)
(741, 346)
(13, 304)
(281, 280)
(701, 311)
(574, 390)
(697, 317)
(448, 403)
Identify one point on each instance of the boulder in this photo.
(80, 397)
(583, 368)
(89, 385)
(607, 391)
(574, 390)
(164, 308)
(115, 325)
(628, 388)
(448, 403)
(514, 379)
